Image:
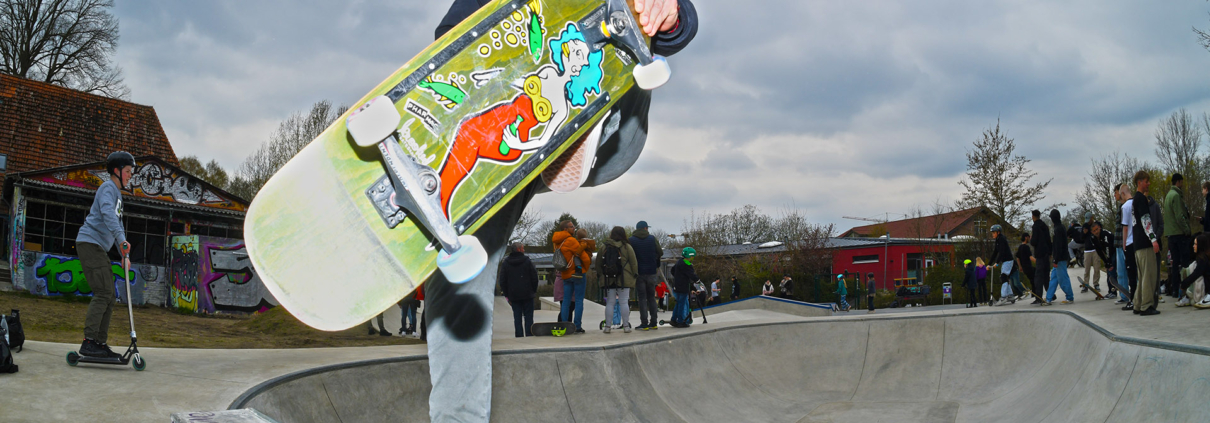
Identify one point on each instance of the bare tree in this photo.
(998, 179)
(62, 42)
(1178, 142)
(1107, 171)
(288, 139)
(528, 227)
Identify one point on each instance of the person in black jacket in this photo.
(1101, 243)
(971, 282)
(1061, 255)
(1201, 256)
(1025, 262)
(459, 349)
(1002, 257)
(683, 278)
(1042, 252)
(519, 282)
(734, 288)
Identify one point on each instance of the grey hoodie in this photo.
(103, 226)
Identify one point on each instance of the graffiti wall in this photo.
(151, 179)
(18, 234)
(53, 275)
(215, 275)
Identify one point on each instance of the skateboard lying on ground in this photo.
(552, 328)
(1094, 290)
(395, 189)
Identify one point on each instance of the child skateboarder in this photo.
(683, 278)
(102, 229)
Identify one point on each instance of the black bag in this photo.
(16, 335)
(6, 356)
(611, 266)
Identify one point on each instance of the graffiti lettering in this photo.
(65, 275)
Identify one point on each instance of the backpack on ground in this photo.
(611, 266)
(6, 356)
(15, 337)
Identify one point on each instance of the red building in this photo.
(904, 259)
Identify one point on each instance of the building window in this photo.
(873, 258)
(215, 231)
(52, 228)
(148, 240)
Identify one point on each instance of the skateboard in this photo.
(1094, 290)
(553, 328)
(395, 189)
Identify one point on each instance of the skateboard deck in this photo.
(481, 112)
(553, 328)
(1094, 290)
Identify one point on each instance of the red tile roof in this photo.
(46, 126)
(921, 227)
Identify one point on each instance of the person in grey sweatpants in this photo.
(102, 229)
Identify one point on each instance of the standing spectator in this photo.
(767, 290)
(1205, 220)
(683, 278)
(1002, 257)
(519, 281)
(715, 293)
(870, 291)
(1127, 225)
(1179, 234)
(1058, 276)
(981, 281)
(1042, 251)
(1157, 226)
(734, 288)
(575, 250)
(1092, 261)
(1145, 258)
(382, 329)
(1025, 264)
(842, 293)
(661, 292)
(423, 312)
(617, 270)
(971, 281)
(787, 287)
(407, 313)
(567, 228)
(648, 252)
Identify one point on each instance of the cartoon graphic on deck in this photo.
(503, 132)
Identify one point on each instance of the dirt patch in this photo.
(61, 319)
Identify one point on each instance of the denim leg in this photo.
(527, 311)
(518, 308)
(578, 286)
(610, 305)
(1065, 280)
(1053, 284)
(568, 296)
(681, 312)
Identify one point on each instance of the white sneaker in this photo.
(1162, 300)
(626, 329)
(1184, 302)
(607, 329)
(1120, 301)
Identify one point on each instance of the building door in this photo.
(915, 266)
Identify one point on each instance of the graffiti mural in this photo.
(54, 275)
(215, 275)
(15, 263)
(183, 292)
(227, 273)
(151, 179)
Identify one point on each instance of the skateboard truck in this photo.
(616, 21)
(415, 188)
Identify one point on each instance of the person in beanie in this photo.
(519, 282)
(870, 290)
(1042, 252)
(618, 277)
(102, 229)
(648, 252)
(842, 293)
(683, 278)
(1061, 255)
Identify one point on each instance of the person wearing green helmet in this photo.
(971, 282)
(683, 277)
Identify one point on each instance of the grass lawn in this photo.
(61, 319)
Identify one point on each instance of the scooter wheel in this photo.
(662, 323)
(73, 358)
(138, 363)
(602, 327)
(464, 264)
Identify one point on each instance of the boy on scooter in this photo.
(102, 229)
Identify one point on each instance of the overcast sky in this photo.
(836, 108)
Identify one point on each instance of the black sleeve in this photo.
(1200, 271)
(667, 44)
(459, 11)
(533, 277)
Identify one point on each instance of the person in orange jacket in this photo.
(575, 249)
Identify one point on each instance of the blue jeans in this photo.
(409, 315)
(680, 314)
(1120, 269)
(573, 290)
(1060, 278)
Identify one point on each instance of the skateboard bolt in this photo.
(429, 183)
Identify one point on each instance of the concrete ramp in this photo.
(992, 367)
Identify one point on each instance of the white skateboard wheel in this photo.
(464, 264)
(373, 121)
(654, 75)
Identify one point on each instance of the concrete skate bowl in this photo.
(993, 367)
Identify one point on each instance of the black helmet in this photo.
(996, 228)
(118, 160)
